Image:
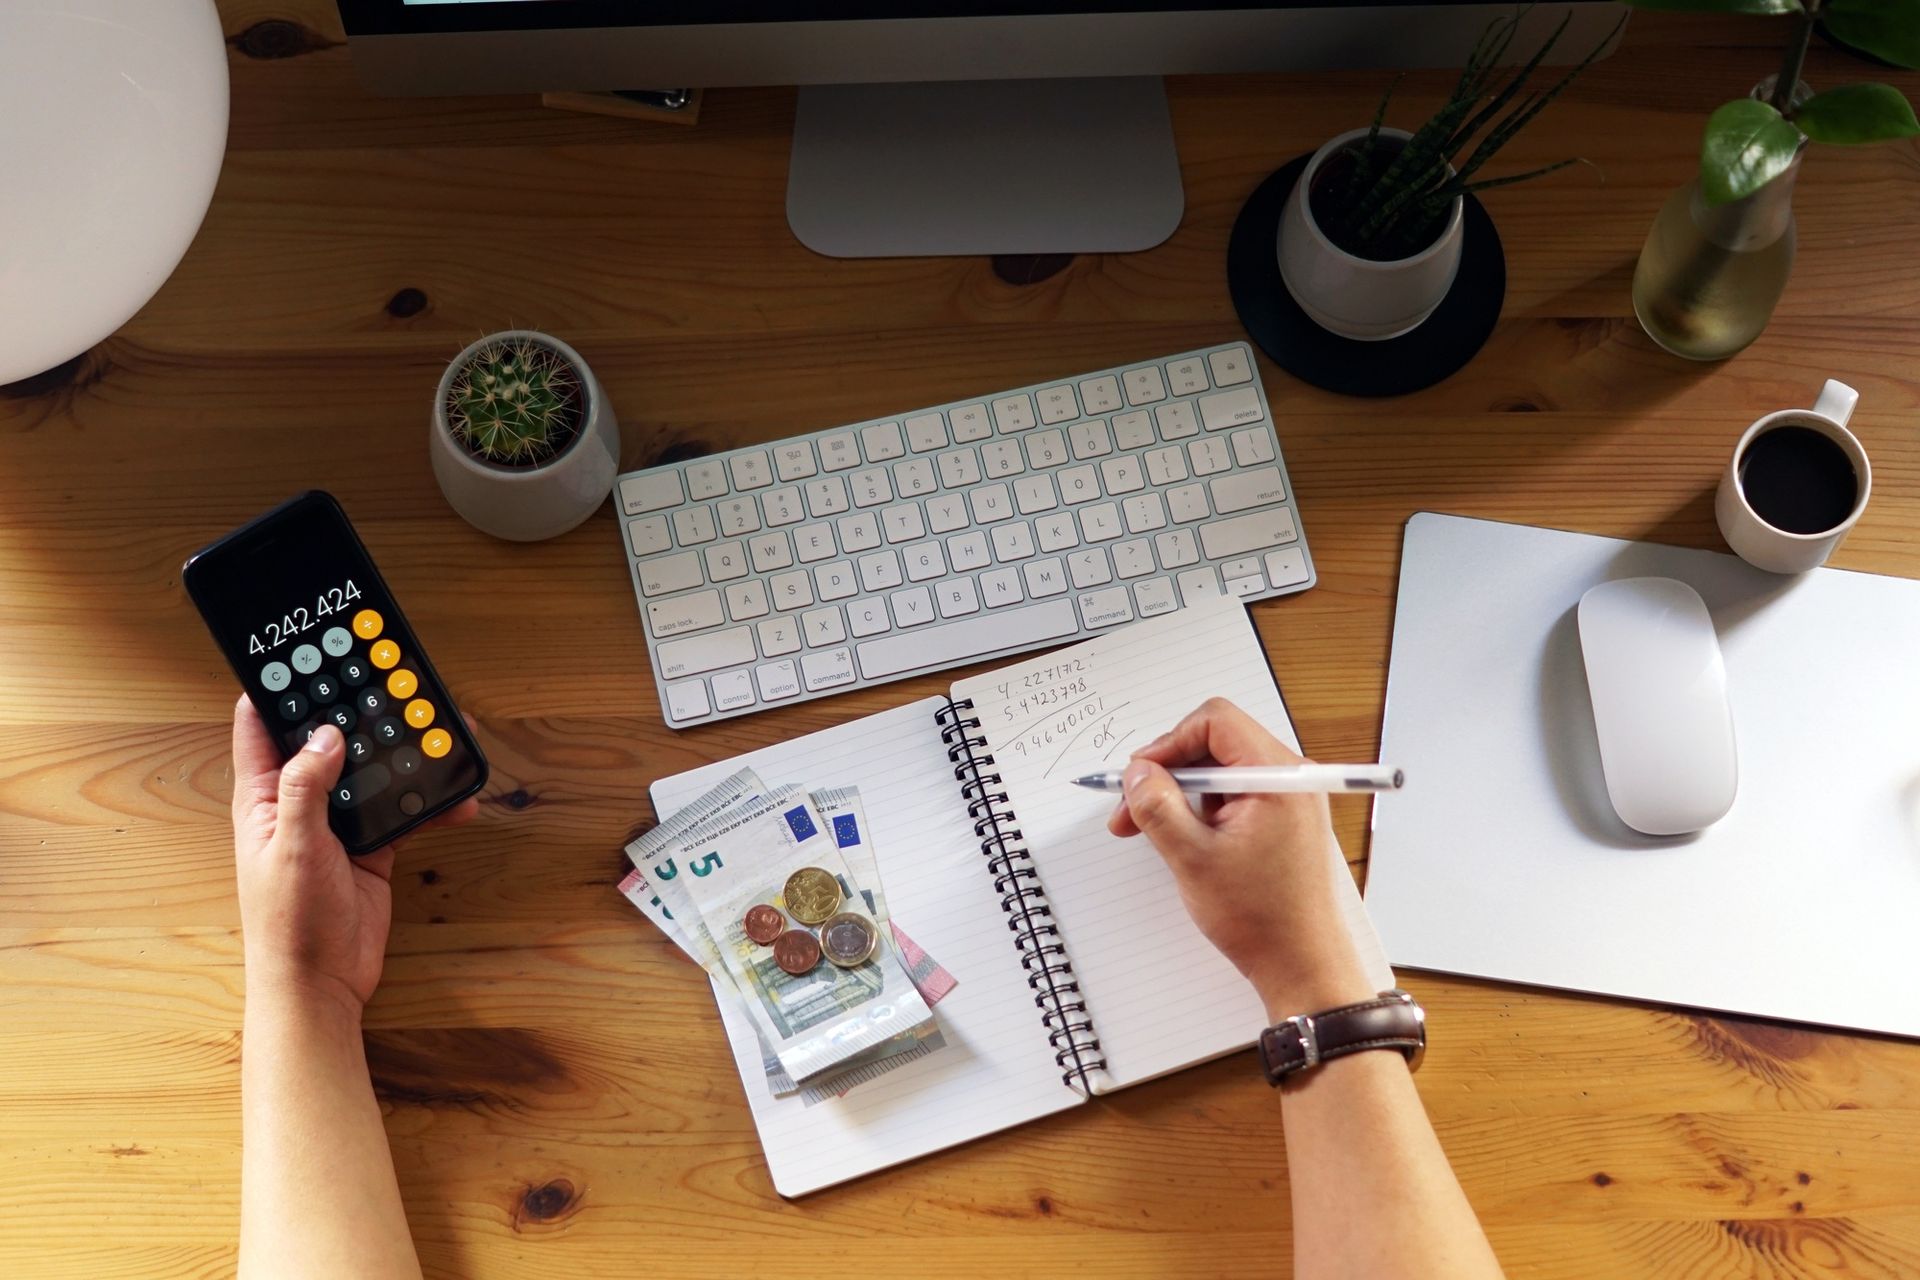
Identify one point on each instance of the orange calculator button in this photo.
(402, 683)
(419, 713)
(437, 743)
(367, 624)
(385, 653)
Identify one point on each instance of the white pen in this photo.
(1274, 779)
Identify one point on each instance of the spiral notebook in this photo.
(1080, 972)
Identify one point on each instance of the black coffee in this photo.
(1798, 480)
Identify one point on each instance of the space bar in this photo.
(958, 642)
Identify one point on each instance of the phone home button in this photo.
(411, 803)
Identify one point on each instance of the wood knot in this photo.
(429, 876)
(518, 798)
(276, 38)
(549, 1202)
(681, 451)
(1043, 1206)
(1602, 1180)
(406, 303)
(1029, 268)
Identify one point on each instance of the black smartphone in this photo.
(309, 627)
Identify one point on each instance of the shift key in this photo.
(708, 652)
(1246, 533)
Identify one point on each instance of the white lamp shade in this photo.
(113, 120)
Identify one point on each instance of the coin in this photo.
(812, 894)
(848, 939)
(796, 951)
(764, 923)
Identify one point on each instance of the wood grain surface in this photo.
(556, 1085)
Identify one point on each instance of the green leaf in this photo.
(1747, 145)
(1857, 113)
(1721, 6)
(1887, 29)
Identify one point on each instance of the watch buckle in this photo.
(1302, 1025)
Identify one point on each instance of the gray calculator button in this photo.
(371, 700)
(337, 641)
(306, 659)
(276, 676)
(359, 749)
(406, 761)
(323, 689)
(387, 731)
(357, 787)
(292, 705)
(343, 717)
(354, 672)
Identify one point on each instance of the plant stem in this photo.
(1789, 77)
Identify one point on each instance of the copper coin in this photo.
(764, 923)
(812, 894)
(849, 939)
(796, 951)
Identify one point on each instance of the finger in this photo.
(1222, 732)
(463, 812)
(255, 758)
(1157, 808)
(304, 783)
(379, 862)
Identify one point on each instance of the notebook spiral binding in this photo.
(1042, 955)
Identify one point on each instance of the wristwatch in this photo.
(1391, 1020)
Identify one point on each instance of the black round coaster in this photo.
(1442, 344)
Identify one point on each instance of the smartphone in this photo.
(309, 627)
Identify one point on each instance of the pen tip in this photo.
(1399, 779)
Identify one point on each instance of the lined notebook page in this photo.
(996, 1070)
(1161, 997)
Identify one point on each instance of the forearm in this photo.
(318, 1193)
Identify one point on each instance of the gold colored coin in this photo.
(812, 895)
(849, 939)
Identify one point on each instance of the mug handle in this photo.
(1836, 401)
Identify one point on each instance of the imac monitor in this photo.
(940, 126)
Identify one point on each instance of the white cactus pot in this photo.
(526, 504)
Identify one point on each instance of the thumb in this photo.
(1160, 809)
(305, 781)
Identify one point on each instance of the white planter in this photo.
(1358, 297)
(526, 504)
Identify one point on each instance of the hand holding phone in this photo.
(309, 627)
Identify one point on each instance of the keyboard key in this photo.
(926, 432)
(1012, 541)
(769, 551)
(1133, 430)
(747, 600)
(960, 468)
(419, 713)
(1154, 597)
(650, 491)
(823, 626)
(777, 680)
(1046, 449)
(1106, 608)
(828, 669)
(968, 551)
(957, 597)
(1145, 512)
(1240, 567)
(1166, 466)
(1100, 395)
(968, 639)
(1253, 446)
(902, 523)
(1225, 409)
(695, 612)
(1209, 456)
(782, 507)
(794, 461)
(1197, 585)
(1187, 377)
(925, 560)
(839, 452)
(1246, 586)
(1079, 484)
(1133, 559)
(791, 590)
(1100, 523)
(751, 470)
(1244, 489)
(778, 636)
(665, 575)
(1287, 568)
(870, 487)
(732, 690)
(686, 701)
(1013, 413)
(1057, 405)
(883, 442)
(694, 525)
(912, 607)
(970, 423)
(1033, 494)
(1144, 386)
(436, 743)
(1230, 368)
(1001, 587)
(706, 479)
(914, 478)
(726, 561)
(1269, 528)
(990, 503)
(1089, 568)
(1122, 474)
(649, 536)
(867, 617)
(1090, 439)
(1187, 503)
(1057, 533)
(1177, 548)
(946, 513)
(880, 571)
(826, 496)
(1176, 421)
(1002, 458)
(1045, 578)
(836, 580)
(738, 516)
(858, 532)
(708, 652)
(360, 786)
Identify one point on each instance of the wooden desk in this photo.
(558, 1093)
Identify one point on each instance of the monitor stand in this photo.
(984, 167)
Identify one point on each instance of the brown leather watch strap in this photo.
(1392, 1020)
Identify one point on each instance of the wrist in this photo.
(278, 988)
(1308, 982)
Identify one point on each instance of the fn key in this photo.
(359, 786)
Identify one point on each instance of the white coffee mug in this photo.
(1776, 550)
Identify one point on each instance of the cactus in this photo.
(516, 403)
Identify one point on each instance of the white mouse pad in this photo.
(1502, 858)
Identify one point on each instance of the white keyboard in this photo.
(788, 571)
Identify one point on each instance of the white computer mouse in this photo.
(1659, 689)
